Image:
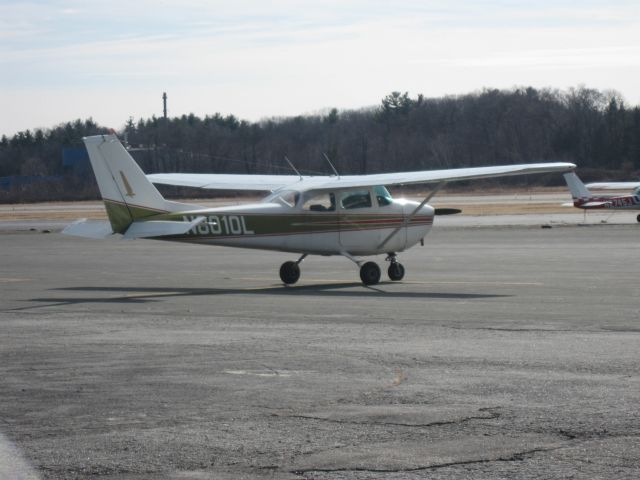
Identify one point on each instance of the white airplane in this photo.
(583, 198)
(352, 216)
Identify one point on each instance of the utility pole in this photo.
(164, 104)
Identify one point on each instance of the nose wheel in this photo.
(396, 269)
(396, 272)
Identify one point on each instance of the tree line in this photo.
(592, 128)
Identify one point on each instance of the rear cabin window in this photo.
(319, 202)
(355, 199)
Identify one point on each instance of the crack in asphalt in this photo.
(518, 456)
(492, 416)
(517, 330)
(593, 435)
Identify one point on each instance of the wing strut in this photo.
(292, 167)
(331, 165)
(413, 214)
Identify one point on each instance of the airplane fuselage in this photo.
(621, 202)
(274, 226)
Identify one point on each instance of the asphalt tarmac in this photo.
(507, 352)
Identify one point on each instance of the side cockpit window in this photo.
(319, 202)
(355, 199)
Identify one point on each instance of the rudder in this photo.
(127, 193)
(577, 188)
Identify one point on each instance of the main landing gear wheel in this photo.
(290, 272)
(638, 218)
(370, 273)
(396, 271)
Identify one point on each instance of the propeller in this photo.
(447, 211)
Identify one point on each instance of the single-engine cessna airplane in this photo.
(352, 216)
(583, 198)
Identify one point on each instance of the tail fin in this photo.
(577, 188)
(127, 193)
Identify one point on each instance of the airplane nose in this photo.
(425, 211)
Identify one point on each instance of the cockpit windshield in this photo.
(382, 195)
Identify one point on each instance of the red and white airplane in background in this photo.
(583, 198)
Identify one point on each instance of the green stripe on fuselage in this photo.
(220, 224)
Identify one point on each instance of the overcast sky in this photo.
(111, 60)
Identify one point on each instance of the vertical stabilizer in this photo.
(127, 193)
(577, 188)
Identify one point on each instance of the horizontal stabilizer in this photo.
(89, 229)
(587, 204)
(160, 228)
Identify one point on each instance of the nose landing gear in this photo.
(370, 272)
(396, 269)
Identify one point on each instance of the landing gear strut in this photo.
(396, 269)
(290, 271)
(370, 272)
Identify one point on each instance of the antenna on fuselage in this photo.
(293, 168)
(331, 165)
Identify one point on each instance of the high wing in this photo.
(614, 185)
(224, 181)
(276, 182)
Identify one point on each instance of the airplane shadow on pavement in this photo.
(133, 295)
